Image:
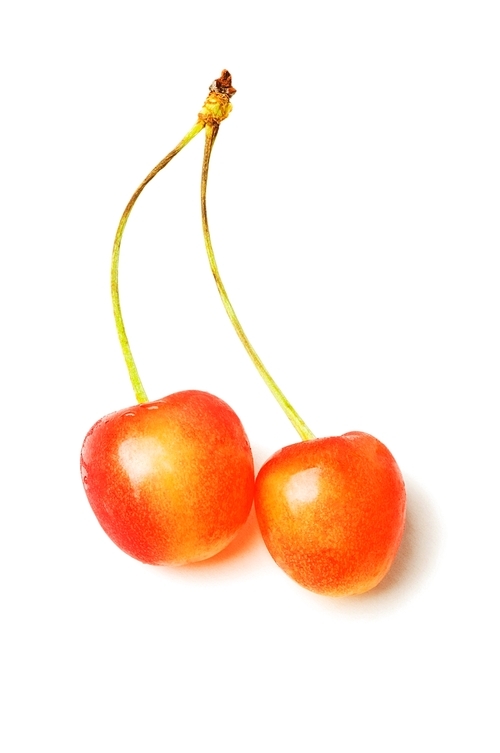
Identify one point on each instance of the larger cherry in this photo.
(170, 481)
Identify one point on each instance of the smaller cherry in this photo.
(331, 511)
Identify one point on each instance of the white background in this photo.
(354, 206)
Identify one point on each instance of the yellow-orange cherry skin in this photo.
(332, 512)
(170, 481)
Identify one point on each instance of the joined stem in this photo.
(303, 430)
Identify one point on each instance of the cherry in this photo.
(331, 511)
(170, 481)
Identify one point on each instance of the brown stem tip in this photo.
(223, 85)
(217, 105)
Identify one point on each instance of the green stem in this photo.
(140, 393)
(302, 429)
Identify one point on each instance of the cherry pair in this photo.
(172, 481)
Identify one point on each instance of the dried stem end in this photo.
(217, 105)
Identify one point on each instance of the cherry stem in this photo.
(303, 430)
(140, 393)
